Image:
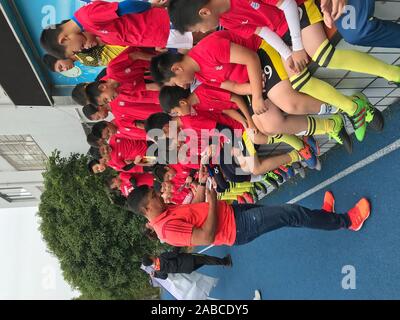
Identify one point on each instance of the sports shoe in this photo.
(271, 182)
(313, 144)
(374, 117)
(281, 173)
(248, 197)
(358, 119)
(288, 170)
(298, 168)
(340, 134)
(259, 186)
(228, 261)
(257, 295)
(359, 214)
(241, 200)
(329, 202)
(274, 176)
(308, 156)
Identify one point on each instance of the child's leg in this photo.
(356, 109)
(293, 102)
(261, 165)
(324, 53)
(275, 122)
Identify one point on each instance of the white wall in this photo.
(52, 128)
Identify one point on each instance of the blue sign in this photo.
(39, 14)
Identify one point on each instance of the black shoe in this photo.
(228, 261)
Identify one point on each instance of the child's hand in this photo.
(251, 126)
(189, 180)
(300, 60)
(259, 105)
(291, 65)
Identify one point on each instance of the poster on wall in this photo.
(39, 14)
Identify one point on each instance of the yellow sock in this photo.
(232, 197)
(294, 156)
(240, 185)
(329, 57)
(291, 140)
(239, 191)
(323, 91)
(318, 126)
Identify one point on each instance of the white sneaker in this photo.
(257, 295)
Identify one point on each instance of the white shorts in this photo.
(178, 40)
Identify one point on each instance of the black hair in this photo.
(98, 128)
(79, 94)
(146, 261)
(89, 110)
(49, 40)
(92, 140)
(157, 186)
(160, 67)
(136, 199)
(92, 163)
(157, 121)
(94, 153)
(93, 92)
(109, 182)
(171, 95)
(50, 62)
(185, 13)
(159, 172)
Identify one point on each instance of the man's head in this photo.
(64, 41)
(94, 166)
(170, 69)
(104, 130)
(145, 201)
(94, 113)
(174, 101)
(193, 16)
(101, 92)
(57, 65)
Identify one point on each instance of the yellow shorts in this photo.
(272, 67)
(310, 14)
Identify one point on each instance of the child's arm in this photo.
(140, 55)
(291, 11)
(235, 116)
(130, 6)
(244, 56)
(152, 87)
(275, 41)
(243, 108)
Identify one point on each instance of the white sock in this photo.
(327, 109)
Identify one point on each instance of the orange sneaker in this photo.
(329, 202)
(359, 214)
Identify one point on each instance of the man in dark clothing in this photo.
(177, 262)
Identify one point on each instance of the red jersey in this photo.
(141, 179)
(126, 149)
(245, 16)
(175, 225)
(214, 61)
(147, 29)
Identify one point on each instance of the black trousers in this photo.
(205, 260)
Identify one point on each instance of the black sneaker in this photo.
(228, 261)
(374, 117)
